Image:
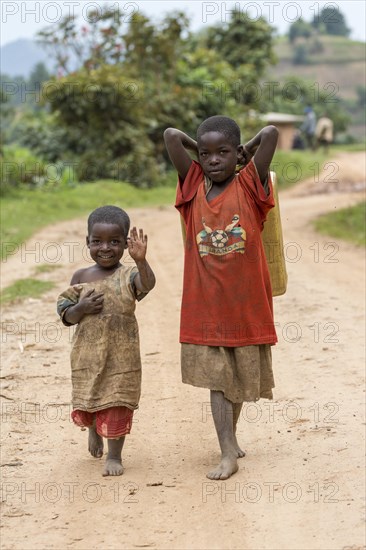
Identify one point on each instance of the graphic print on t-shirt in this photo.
(221, 241)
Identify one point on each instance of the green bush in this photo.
(18, 166)
(101, 112)
(344, 139)
(300, 55)
(39, 131)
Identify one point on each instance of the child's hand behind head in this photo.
(245, 154)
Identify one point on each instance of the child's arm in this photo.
(261, 148)
(137, 245)
(177, 143)
(89, 304)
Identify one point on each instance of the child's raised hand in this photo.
(137, 244)
(91, 302)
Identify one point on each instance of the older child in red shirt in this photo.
(227, 323)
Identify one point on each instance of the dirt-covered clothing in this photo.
(227, 296)
(105, 356)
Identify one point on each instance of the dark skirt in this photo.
(242, 373)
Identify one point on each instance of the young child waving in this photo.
(105, 357)
(227, 323)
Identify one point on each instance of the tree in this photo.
(154, 50)
(361, 96)
(332, 21)
(114, 109)
(300, 55)
(13, 87)
(96, 43)
(102, 112)
(38, 75)
(243, 42)
(43, 134)
(3, 112)
(299, 28)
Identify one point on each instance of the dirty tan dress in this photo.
(242, 373)
(105, 356)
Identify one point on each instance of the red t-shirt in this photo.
(227, 297)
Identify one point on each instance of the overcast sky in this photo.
(22, 19)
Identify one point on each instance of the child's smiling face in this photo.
(106, 243)
(217, 156)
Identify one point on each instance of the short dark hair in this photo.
(110, 214)
(222, 124)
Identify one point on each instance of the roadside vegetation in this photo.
(347, 224)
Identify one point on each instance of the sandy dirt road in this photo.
(301, 485)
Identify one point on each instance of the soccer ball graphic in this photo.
(219, 238)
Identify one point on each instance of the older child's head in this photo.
(218, 143)
(108, 228)
(223, 125)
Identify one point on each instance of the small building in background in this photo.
(287, 126)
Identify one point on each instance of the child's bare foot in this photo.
(113, 467)
(223, 412)
(95, 443)
(227, 467)
(239, 452)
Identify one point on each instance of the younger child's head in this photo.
(112, 215)
(218, 143)
(108, 228)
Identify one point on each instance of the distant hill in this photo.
(334, 64)
(338, 60)
(18, 58)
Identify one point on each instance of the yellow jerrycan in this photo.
(272, 239)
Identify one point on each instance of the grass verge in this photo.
(292, 167)
(25, 211)
(46, 268)
(24, 288)
(347, 224)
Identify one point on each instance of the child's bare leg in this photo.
(222, 412)
(236, 413)
(95, 443)
(113, 465)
